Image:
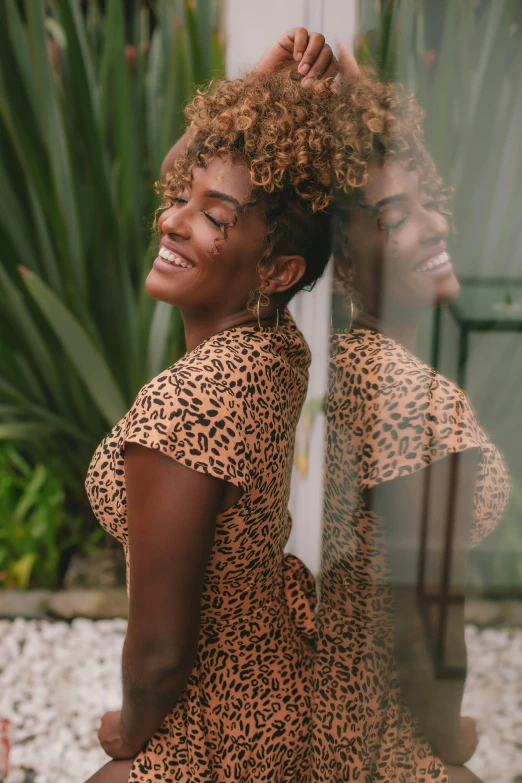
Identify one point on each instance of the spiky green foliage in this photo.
(88, 109)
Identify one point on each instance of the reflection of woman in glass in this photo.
(194, 480)
(392, 421)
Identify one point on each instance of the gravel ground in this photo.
(56, 680)
(493, 696)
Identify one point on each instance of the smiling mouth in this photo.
(434, 263)
(173, 259)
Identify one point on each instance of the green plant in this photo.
(89, 105)
(311, 411)
(375, 44)
(35, 530)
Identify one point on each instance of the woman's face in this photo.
(397, 242)
(206, 263)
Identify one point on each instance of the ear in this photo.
(283, 272)
(339, 277)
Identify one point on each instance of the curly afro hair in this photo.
(283, 133)
(372, 121)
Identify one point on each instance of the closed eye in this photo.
(384, 226)
(214, 220)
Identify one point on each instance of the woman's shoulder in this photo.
(370, 355)
(194, 418)
(401, 413)
(375, 370)
(191, 384)
(236, 367)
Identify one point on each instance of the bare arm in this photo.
(171, 514)
(436, 703)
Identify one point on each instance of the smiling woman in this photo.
(194, 480)
(250, 190)
(406, 453)
(211, 242)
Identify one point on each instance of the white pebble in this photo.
(57, 680)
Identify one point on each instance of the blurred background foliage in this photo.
(463, 61)
(91, 98)
(36, 527)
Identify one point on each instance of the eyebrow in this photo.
(224, 197)
(384, 201)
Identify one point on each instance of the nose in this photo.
(435, 227)
(175, 221)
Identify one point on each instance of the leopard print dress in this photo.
(229, 409)
(387, 415)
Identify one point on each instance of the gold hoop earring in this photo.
(351, 317)
(258, 309)
(349, 328)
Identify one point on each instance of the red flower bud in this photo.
(130, 56)
(53, 52)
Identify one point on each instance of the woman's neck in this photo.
(403, 333)
(399, 328)
(200, 327)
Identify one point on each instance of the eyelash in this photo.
(392, 226)
(213, 220)
(398, 223)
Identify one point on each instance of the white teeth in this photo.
(433, 263)
(171, 258)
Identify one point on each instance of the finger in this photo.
(313, 50)
(300, 37)
(347, 62)
(320, 66)
(328, 76)
(287, 40)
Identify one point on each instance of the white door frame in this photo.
(250, 28)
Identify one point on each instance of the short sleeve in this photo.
(195, 421)
(408, 425)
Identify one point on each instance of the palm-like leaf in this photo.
(86, 116)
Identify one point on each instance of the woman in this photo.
(194, 480)
(395, 427)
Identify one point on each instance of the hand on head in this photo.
(305, 53)
(309, 55)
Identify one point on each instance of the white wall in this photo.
(251, 27)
